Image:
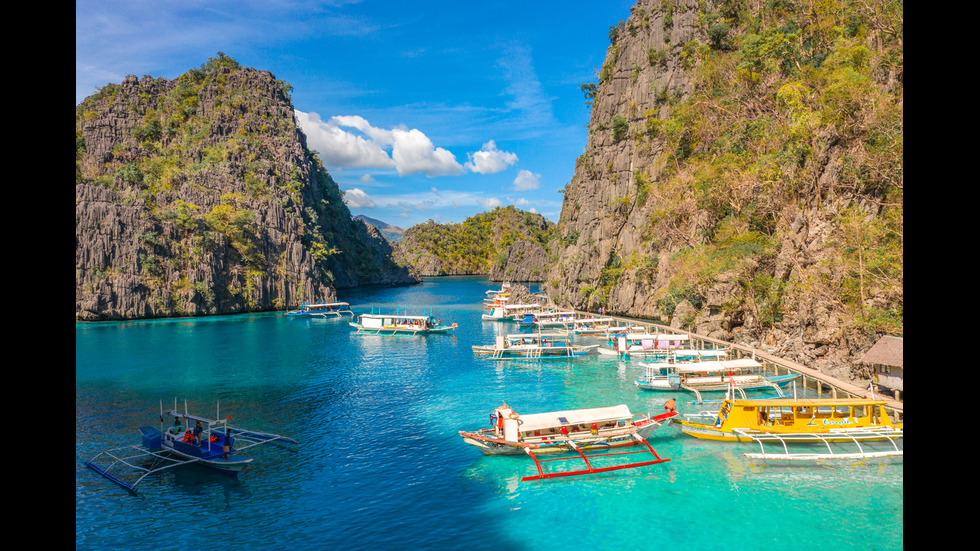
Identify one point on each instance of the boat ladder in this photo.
(590, 469)
(855, 436)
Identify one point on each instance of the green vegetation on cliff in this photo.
(475, 245)
(777, 87)
(233, 210)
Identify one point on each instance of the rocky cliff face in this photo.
(199, 196)
(743, 167)
(506, 244)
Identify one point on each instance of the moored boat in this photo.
(643, 345)
(400, 324)
(322, 310)
(532, 345)
(805, 420)
(511, 312)
(707, 376)
(212, 443)
(563, 431)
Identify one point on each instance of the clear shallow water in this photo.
(381, 465)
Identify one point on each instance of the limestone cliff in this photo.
(199, 196)
(505, 244)
(743, 176)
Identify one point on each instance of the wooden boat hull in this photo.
(536, 352)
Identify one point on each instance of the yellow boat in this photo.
(803, 420)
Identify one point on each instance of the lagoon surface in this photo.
(380, 464)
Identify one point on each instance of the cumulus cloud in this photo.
(490, 203)
(356, 198)
(412, 152)
(527, 180)
(489, 159)
(339, 148)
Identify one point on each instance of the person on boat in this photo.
(595, 428)
(188, 436)
(564, 431)
(227, 443)
(670, 405)
(177, 427)
(198, 429)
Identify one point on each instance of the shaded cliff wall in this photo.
(742, 175)
(198, 195)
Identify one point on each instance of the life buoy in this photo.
(513, 415)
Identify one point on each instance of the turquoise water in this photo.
(381, 465)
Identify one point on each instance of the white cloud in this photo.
(339, 148)
(490, 202)
(527, 180)
(412, 152)
(358, 199)
(489, 159)
(367, 179)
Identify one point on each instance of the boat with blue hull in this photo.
(708, 376)
(212, 443)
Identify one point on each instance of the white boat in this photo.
(400, 324)
(716, 375)
(511, 312)
(644, 345)
(570, 431)
(323, 310)
(532, 345)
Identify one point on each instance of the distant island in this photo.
(393, 233)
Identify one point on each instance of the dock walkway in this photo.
(819, 378)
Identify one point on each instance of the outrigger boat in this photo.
(556, 316)
(707, 376)
(787, 421)
(213, 443)
(533, 345)
(570, 431)
(511, 312)
(400, 324)
(644, 345)
(323, 310)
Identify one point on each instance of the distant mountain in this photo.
(393, 233)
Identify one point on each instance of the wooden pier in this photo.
(812, 378)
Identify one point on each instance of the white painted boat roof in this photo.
(395, 316)
(537, 421)
(697, 367)
(660, 337)
(519, 306)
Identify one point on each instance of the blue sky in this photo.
(420, 110)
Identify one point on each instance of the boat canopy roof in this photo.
(808, 402)
(327, 304)
(697, 367)
(519, 306)
(538, 421)
(516, 336)
(395, 316)
(581, 321)
(659, 337)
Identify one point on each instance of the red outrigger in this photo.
(591, 470)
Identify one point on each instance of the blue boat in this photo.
(213, 443)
